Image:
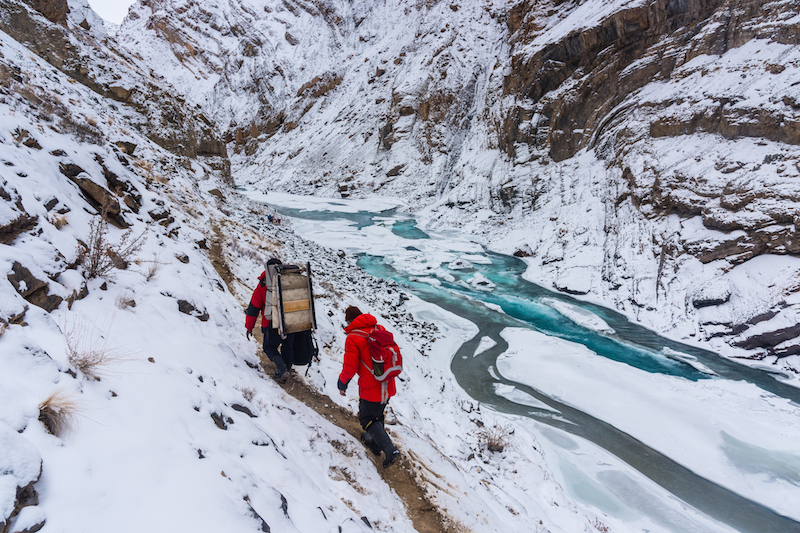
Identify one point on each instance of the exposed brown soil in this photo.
(218, 260)
(400, 476)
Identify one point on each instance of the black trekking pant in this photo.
(272, 339)
(369, 412)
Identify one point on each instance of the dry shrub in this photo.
(125, 300)
(57, 413)
(30, 93)
(52, 108)
(99, 257)
(248, 393)
(238, 250)
(19, 135)
(3, 327)
(82, 131)
(262, 405)
(495, 437)
(88, 351)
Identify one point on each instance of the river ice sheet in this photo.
(732, 433)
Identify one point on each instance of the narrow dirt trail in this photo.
(400, 477)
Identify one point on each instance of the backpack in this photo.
(387, 361)
(305, 348)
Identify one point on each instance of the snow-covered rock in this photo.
(460, 264)
(481, 282)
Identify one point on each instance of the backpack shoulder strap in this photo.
(361, 333)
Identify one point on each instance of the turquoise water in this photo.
(523, 306)
(630, 343)
(408, 230)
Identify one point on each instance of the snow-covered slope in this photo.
(639, 153)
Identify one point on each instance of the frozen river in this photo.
(716, 435)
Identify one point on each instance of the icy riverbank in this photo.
(422, 261)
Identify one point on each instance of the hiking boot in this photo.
(382, 440)
(366, 438)
(281, 372)
(391, 458)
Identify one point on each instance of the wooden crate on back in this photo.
(293, 300)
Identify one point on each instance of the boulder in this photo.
(125, 147)
(20, 469)
(395, 171)
(34, 290)
(189, 309)
(9, 232)
(121, 94)
(769, 339)
(713, 293)
(98, 196)
(54, 10)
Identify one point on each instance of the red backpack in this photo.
(387, 362)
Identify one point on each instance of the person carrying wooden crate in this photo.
(285, 299)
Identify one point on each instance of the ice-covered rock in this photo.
(460, 264)
(481, 282)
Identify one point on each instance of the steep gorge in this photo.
(670, 126)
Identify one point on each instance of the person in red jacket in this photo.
(373, 394)
(261, 302)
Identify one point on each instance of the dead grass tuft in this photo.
(57, 413)
(88, 351)
(144, 165)
(248, 393)
(124, 300)
(450, 525)
(151, 267)
(83, 131)
(59, 221)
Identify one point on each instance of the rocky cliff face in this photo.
(690, 107)
(670, 126)
(81, 49)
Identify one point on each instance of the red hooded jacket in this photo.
(257, 302)
(357, 360)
